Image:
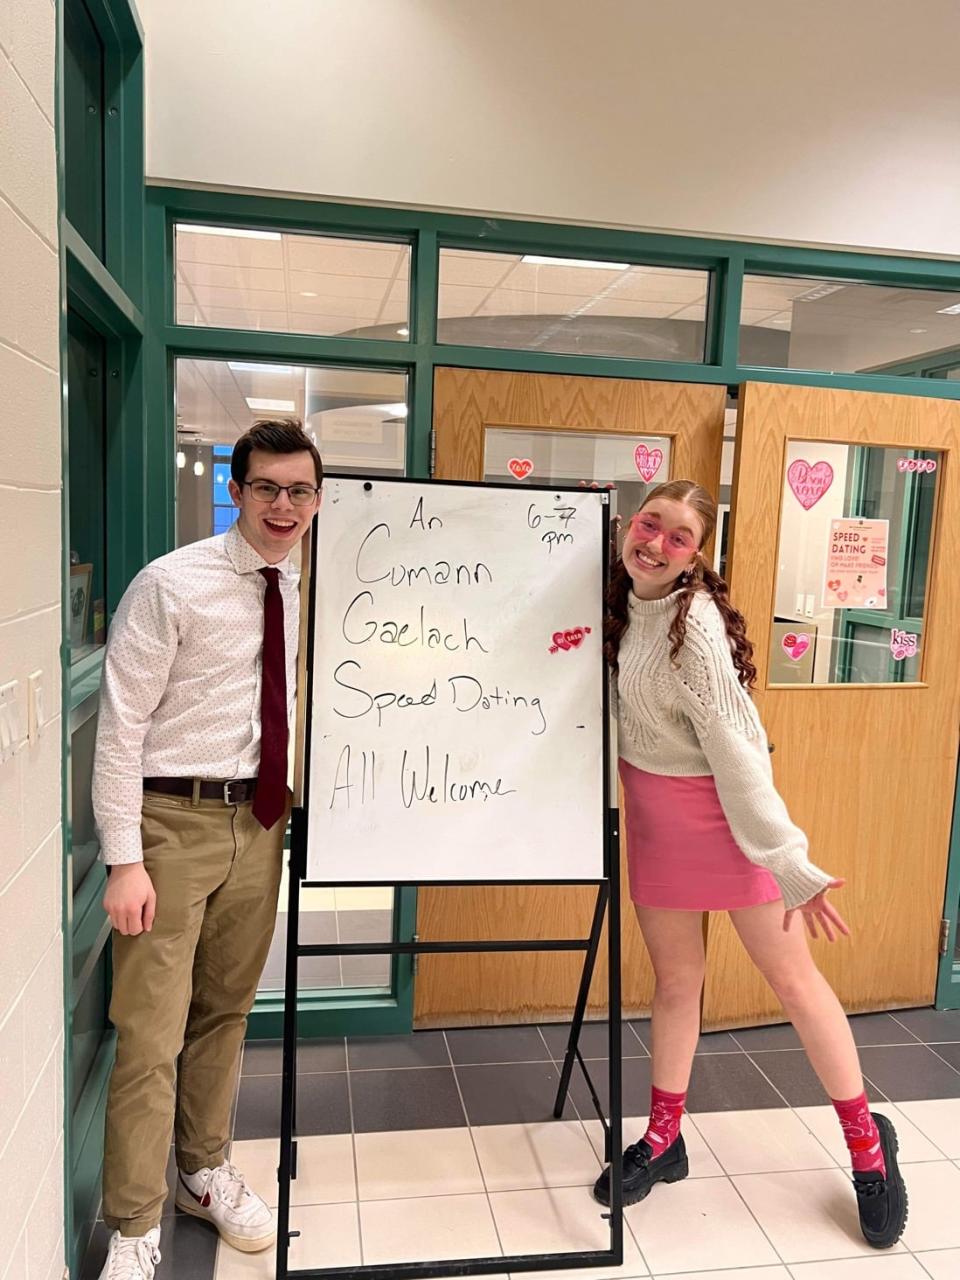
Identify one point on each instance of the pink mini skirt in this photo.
(681, 854)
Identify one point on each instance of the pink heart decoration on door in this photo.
(809, 483)
(521, 467)
(648, 461)
(795, 646)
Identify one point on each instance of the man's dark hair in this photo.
(273, 435)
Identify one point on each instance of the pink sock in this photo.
(861, 1135)
(663, 1128)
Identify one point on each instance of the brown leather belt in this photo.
(231, 791)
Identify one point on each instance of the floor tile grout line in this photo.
(473, 1144)
(942, 1059)
(896, 1106)
(778, 1092)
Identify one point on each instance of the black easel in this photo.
(607, 904)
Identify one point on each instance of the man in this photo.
(191, 801)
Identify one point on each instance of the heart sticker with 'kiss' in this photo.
(648, 461)
(521, 467)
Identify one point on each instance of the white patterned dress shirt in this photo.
(180, 695)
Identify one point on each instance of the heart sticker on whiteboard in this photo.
(568, 640)
(520, 467)
(648, 461)
(809, 483)
(795, 646)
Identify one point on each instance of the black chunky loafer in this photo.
(641, 1171)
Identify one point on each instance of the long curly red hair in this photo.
(701, 578)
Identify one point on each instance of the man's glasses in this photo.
(301, 495)
(675, 543)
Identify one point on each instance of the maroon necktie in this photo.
(270, 800)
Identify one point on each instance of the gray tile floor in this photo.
(509, 1075)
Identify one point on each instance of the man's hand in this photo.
(818, 911)
(130, 900)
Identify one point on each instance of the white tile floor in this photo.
(768, 1198)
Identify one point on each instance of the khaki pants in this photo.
(185, 989)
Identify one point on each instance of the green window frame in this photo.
(420, 354)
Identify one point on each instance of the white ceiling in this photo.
(290, 283)
(213, 408)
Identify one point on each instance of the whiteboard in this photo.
(457, 684)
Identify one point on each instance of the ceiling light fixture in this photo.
(198, 465)
(308, 293)
(403, 333)
(242, 366)
(265, 405)
(181, 459)
(950, 311)
(539, 260)
(918, 331)
(243, 233)
(394, 410)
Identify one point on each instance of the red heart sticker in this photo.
(560, 639)
(521, 467)
(574, 638)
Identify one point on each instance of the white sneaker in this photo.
(132, 1257)
(221, 1196)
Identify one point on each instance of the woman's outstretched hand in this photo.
(818, 911)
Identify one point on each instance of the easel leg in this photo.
(288, 1150)
(586, 977)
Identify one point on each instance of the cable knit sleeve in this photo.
(734, 742)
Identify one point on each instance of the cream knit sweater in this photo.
(692, 718)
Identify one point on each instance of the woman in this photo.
(707, 831)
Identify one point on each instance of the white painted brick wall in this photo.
(31, 947)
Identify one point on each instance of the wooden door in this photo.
(470, 989)
(868, 770)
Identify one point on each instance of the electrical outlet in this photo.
(809, 609)
(9, 721)
(34, 706)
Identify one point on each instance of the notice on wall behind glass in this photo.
(856, 573)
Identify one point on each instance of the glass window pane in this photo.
(357, 417)
(86, 414)
(288, 282)
(591, 308)
(790, 322)
(856, 529)
(360, 914)
(579, 458)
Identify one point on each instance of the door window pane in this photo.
(580, 458)
(856, 532)
(356, 417)
(591, 308)
(790, 322)
(286, 282)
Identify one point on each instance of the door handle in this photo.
(771, 747)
